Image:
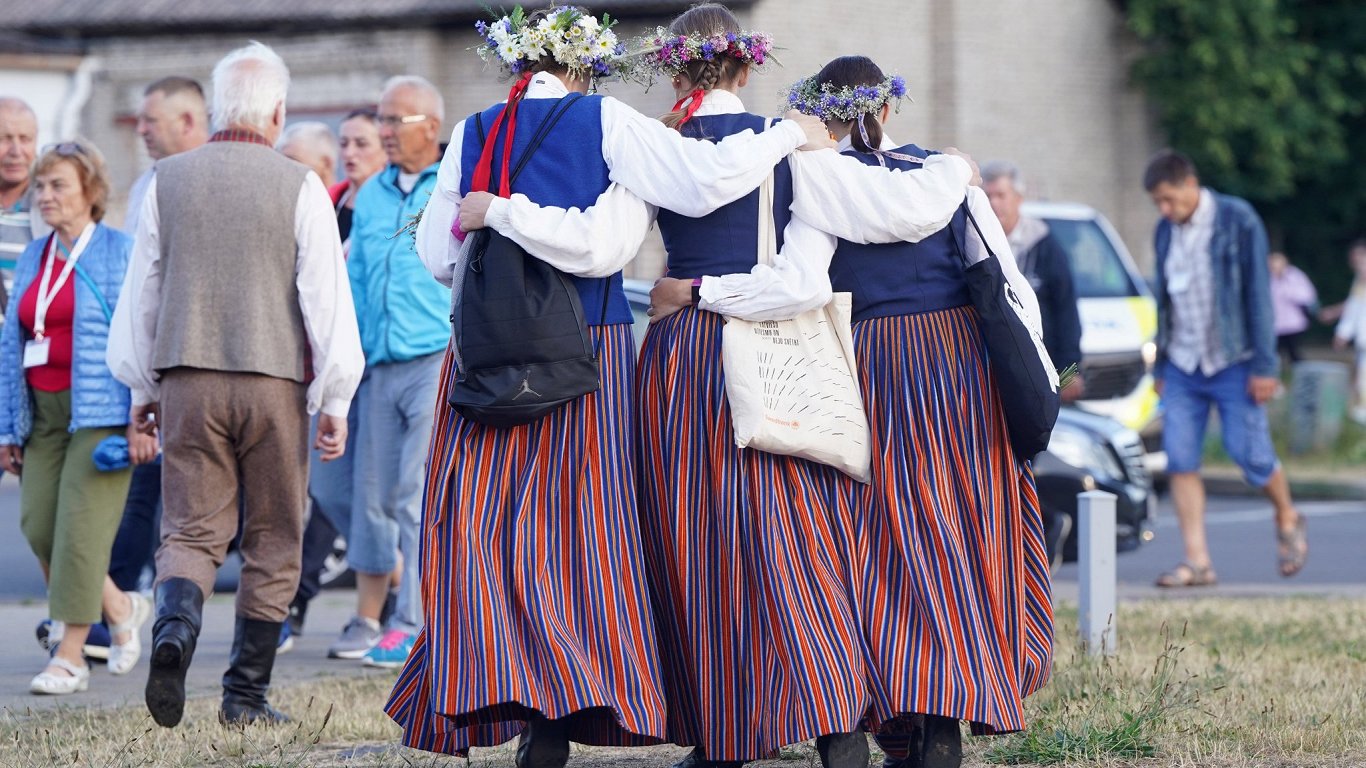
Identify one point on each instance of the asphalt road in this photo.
(1240, 533)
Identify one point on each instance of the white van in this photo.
(1118, 316)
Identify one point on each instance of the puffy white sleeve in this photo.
(436, 246)
(325, 300)
(594, 242)
(688, 176)
(797, 281)
(133, 328)
(872, 204)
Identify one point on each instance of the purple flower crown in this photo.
(845, 103)
(666, 54)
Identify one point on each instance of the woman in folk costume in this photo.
(535, 600)
(746, 549)
(954, 597)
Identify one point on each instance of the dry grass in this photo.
(1273, 682)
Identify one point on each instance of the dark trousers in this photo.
(136, 542)
(1289, 345)
(318, 538)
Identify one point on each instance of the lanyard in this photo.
(48, 293)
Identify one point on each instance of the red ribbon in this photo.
(696, 97)
(483, 170)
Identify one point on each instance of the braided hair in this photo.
(704, 74)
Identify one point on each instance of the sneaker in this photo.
(286, 640)
(391, 651)
(297, 610)
(357, 637)
(49, 634)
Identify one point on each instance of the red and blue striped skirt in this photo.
(533, 579)
(954, 591)
(747, 553)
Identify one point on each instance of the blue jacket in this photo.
(97, 398)
(1242, 286)
(403, 312)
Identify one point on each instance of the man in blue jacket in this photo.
(404, 325)
(1215, 347)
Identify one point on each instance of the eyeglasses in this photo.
(65, 149)
(394, 121)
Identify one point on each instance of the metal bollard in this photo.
(1096, 558)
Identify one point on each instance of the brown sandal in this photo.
(1292, 548)
(1187, 575)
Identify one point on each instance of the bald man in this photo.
(313, 144)
(20, 223)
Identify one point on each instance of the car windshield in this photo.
(1096, 267)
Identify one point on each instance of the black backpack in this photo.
(521, 340)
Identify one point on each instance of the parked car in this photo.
(1088, 452)
(1118, 318)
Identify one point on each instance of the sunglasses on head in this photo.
(66, 149)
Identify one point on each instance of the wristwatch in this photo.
(696, 291)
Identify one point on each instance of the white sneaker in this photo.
(122, 658)
(47, 683)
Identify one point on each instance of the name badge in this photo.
(36, 352)
(1178, 282)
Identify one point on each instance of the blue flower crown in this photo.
(846, 103)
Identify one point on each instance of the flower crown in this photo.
(573, 38)
(665, 53)
(846, 103)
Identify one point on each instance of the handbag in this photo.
(1025, 381)
(792, 384)
(519, 335)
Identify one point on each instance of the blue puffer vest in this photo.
(97, 398)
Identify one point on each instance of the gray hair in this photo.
(16, 104)
(313, 133)
(422, 85)
(248, 84)
(1003, 169)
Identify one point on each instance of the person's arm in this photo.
(688, 176)
(1349, 312)
(325, 301)
(872, 204)
(436, 245)
(132, 331)
(11, 362)
(1299, 289)
(593, 242)
(797, 281)
(1066, 316)
(1261, 331)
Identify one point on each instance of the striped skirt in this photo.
(747, 559)
(954, 591)
(533, 583)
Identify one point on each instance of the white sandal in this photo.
(122, 658)
(57, 685)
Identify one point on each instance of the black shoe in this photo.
(943, 746)
(698, 759)
(179, 612)
(248, 677)
(297, 611)
(544, 744)
(843, 750)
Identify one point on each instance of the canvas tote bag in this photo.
(793, 384)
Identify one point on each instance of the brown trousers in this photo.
(225, 434)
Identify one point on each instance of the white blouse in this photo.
(655, 163)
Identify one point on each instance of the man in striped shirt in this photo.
(19, 223)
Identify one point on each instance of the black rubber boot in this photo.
(843, 750)
(544, 744)
(179, 612)
(698, 759)
(911, 732)
(248, 676)
(943, 743)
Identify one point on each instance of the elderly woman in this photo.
(58, 401)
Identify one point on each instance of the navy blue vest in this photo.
(726, 240)
(902, 278)
(567, 171)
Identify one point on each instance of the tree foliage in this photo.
(1269, 98)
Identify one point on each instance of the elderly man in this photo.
(20, 223)
(405, 327)
(1215, 347)
(313, 144)
(236, 277)
(1044, 263)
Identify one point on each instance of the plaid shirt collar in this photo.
(239, 134)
